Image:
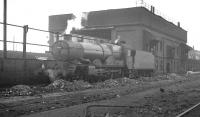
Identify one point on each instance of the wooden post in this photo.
(5, 30)
(24, 40)
(24, 44)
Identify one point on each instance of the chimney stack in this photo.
(153, 9)
(178, 24)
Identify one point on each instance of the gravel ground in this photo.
(165, 97)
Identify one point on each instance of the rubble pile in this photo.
(60, 85)
(81, 85)
(18, 90)
(174, 76)
(107, 84)
(116, 82)
(68, 86)
(57, 85)
(78, 85)
(127, 81)
(22, 90)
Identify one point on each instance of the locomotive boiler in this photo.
(100, 61)
(68, 50)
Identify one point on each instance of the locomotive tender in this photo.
(94, 61)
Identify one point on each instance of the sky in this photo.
(35, 14)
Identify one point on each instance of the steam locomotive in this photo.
(95, 61)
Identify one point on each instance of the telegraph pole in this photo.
(5, 30)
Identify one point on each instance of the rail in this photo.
(87, 113)
(191, 111)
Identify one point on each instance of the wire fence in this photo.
(36, 40)
(37, 45)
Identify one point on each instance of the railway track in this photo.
(193, 111)
(44, 104)
(89, 108)
(49, 103)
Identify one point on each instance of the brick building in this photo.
(141, 29)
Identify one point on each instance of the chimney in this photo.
(178, 24)
(153, 9)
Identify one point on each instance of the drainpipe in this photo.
(163, 57)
